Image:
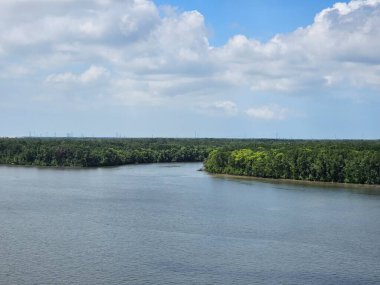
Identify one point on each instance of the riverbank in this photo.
(375, 187)
(341, 163)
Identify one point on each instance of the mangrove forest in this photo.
(346, 161)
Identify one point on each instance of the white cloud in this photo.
(272, 112)
(93, 73)
(343, 40)
(160, 56)
(227, 106)
(220, 107)
(139, 19)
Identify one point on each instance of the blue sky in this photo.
(141, 68)
(253, 18)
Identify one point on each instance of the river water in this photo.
(172, 224)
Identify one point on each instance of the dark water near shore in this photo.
(159, 224)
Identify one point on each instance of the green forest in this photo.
(78, 152)
(325, 161)
(348, 161)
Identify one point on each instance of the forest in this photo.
(348, 161)
(87, 152)
(328, 162)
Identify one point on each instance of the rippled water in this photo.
(159, 224)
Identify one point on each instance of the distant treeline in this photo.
(77, 152)
(339, 161)
(93, 152)
(347, 162)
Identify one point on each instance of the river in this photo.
(172, 224)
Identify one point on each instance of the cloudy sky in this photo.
(141, 68)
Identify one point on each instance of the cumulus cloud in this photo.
(156, 57)
(342, 40)
(272, 112)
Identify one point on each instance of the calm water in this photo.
(171, 224)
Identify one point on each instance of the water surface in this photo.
(171, 224)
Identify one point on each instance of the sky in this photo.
(171, 68)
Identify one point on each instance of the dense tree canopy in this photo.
(98, 152)
(328, 162)
(337, 161)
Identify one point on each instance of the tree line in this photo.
(320, 162)
(75, 152)
(351, 161)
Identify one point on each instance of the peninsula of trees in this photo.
(344, 162)
(347, 161)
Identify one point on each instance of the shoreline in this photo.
(232, 176)
(92, 167)
(297, 182)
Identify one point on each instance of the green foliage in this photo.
(329, 161)
(336, 161)
(77, 152)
